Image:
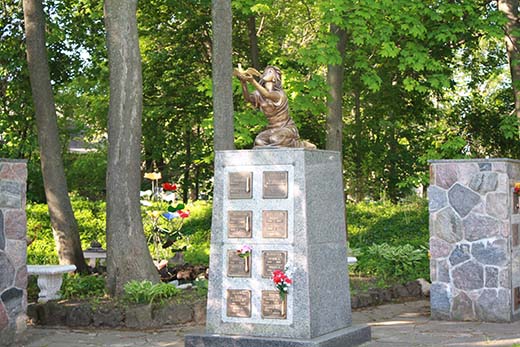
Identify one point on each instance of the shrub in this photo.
(196, 232)
(91, 219)
(383, 222)
(201, 286)
(86, 174)
(145, 292)
(394, 263)
(81, 287)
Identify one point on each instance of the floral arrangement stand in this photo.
(475, 239)
(50, 278)
(278, 266)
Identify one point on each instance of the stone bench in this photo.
(50, 278)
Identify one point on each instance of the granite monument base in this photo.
(287, 207)
(347, 337)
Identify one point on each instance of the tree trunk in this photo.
(222, 75)
(187, 166)
(64, 225)
(253, 42)
(334, 139)
(510, 9)
(391, 160)
(359, 182)
(128, 257)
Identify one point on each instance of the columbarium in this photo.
(286, 206)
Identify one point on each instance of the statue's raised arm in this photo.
(271, 99)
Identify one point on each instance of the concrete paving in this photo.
(403, 324)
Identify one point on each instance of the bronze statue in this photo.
(271, 99)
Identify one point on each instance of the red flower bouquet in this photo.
(281, 282)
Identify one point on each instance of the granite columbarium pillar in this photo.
(287, 205)
(474, 240)
(13, 246)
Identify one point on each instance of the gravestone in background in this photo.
(474, 240)
(13, 248)
(288, 205)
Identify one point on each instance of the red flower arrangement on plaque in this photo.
(517, 188)
(281, 282)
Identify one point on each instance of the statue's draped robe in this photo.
(281, 130)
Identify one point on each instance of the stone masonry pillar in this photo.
(13, 250)
(474, 240)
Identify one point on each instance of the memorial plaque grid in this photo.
(240, 184)
(275, 185)
(238, 266)
(238, 303)
(273, 307)
(240, 224)
(273, 260)
(274, 224)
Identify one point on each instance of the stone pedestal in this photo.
(50, 278)
(13, 250)
(288, 205)
(474, 240)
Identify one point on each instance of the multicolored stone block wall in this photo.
(13, 250)
(475, 258)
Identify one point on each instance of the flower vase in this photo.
(246, 264)
(283, 304)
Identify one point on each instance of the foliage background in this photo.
(424, 79)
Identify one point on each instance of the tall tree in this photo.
(222, 75)
(335, 73)
(64, 225)
(128, 257)
(512, 29)
(253, 42)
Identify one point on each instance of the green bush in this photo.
(383, 222)
(201, 286)
(86, 174)
(196, 230)
(390, 240)
(393, 264)
(91, 219)
(145, 292)
(77, 286)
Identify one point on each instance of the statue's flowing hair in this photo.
(278, 82)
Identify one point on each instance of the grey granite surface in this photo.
(318, 303)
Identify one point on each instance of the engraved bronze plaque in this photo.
(239, 224)
(240, 185)
(272, 305)
(275, 185)
(516, 298)
(273, 260)
(237, 266)
(274, 224)
(514, 232)
(238, 303)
